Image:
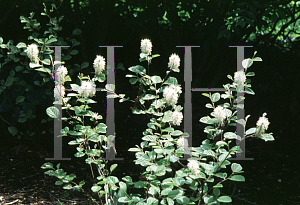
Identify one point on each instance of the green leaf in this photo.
(170, 201)
(250, 131)
(95, 188)
(183, 200)
(110, 87)
(34, 65)
(174, 193)
(171, 80)
(238, 178)
(132, 81)
(215, 97)
(140, 184)
(47, 165)
(250, 74)
(52, 112)
(51, 40)
(225, 199)
(21, 45)
(267, 137)
(205, 94)
(76, 32)
(249, 91)
(58, 183)
(74, 52)
(13, 130)
(216, 192)
(241, 121)
(246, 63)
(46, 70)
(79, 154)
(206, 120)
(20, 99)
(156, 79)
(124, 200)
(9, 81)
(134, 149)
(176, 133)
(138, 69)
(230, 135)
(236, 167)
(67, 57)
(155, 55)
(46, 61)
(221, 175)
(151, 201)
(257, 59)
(84, 65)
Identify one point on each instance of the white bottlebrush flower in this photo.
(62, 71)
(96, 116)
(239, 80)
(33, 53)
(171, 94)
(174, 61)
(220, 114)
(59, 92)
(262, 125)
(182, 142)
(176, 118)
(87, 89)
(194, 167)
(99, 65)
(146, 46)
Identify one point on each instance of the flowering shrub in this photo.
(163, 146)
(198, 181)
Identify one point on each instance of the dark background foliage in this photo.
(271, 27)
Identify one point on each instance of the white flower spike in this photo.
(146, 46)
(33, 53)
(174, 62)
(194, 167)
(239, 80)
(171, 94)
(262, 125)
(99, 65)
(220, 114)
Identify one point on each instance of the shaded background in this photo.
(271, 27)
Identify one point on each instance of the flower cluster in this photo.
(146, 46)
(182, 142)
(96, 116)
(220, 115)
(99, 65)
(177, 118)
(194, 167)
(59, 91)
(262, 125)
(174, 62)
(87, 89)
(171, 94)
(239, 80)
(63, 71)
(33, 53)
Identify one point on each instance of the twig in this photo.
(13, 201)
